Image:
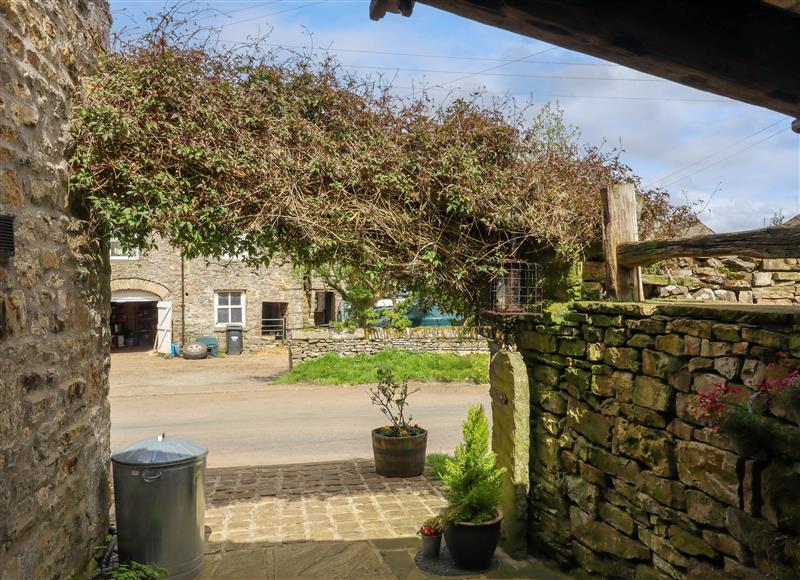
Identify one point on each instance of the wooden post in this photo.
(620, 225)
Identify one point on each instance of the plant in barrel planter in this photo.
(472, 488)
(431, 534)
(736, 412)
(399, 446)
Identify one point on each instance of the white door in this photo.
(164, 328)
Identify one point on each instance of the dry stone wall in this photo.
(313, 343)
(54, 414)
(727, 279)
(625, 480)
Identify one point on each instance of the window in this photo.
(324, 308)
(229, 307)
(117, 253)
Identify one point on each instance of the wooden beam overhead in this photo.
(775, 242)
(746, 49)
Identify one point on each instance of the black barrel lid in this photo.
(161, 450)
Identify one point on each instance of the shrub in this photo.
(233, 149)
(783, 381)
(472, 479)
(436, 462)
(432, 527)
(734, 410)
(391, 398)
(136, 571)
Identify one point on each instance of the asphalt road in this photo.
(230, 405)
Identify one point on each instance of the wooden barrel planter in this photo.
(399, 456)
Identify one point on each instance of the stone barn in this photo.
(159, 298)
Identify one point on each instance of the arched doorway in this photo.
(140, 319)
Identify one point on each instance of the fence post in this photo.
(620, 225)
(511, 440)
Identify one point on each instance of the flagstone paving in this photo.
(324, 520)
(343, 500)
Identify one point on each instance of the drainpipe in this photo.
(183, 305)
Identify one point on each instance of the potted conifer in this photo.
(472, 488)
(399, 446)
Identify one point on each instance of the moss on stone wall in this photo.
(626, 482)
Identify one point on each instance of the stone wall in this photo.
(159, 271)
(727, 279)
(54, 415)
(309, 344)
(625, 480)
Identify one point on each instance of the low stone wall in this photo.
(625, 480)
(728, 279)
(313, 343)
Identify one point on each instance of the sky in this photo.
(739, 164)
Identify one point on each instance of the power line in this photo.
(556, 95)
(424, 55)
(714, 154)
(491, 68)
(485, 72)
(217, 14)
(253, 19)
(718, 161)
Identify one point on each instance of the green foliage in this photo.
(436, 463)
(472, 479)
(744, 424)
(136, 571)
(397, 317)
(391, 397)
(222, 149)
(332, 369)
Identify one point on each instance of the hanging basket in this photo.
(516, 290)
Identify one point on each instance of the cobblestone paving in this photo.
(336, 520)
(343, 500)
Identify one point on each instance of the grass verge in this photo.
(332, 369)
(436, 462)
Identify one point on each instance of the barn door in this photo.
(164, 328)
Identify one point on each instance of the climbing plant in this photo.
(239, 150)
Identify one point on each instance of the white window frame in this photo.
(217, 307)
(134, 255)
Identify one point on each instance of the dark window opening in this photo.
(273, 319)
(324, 308)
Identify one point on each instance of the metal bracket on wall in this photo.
(6, 235)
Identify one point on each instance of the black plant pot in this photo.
(472, 546)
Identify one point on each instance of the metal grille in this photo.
(274, 326)
(516, 291)
(6, 235)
